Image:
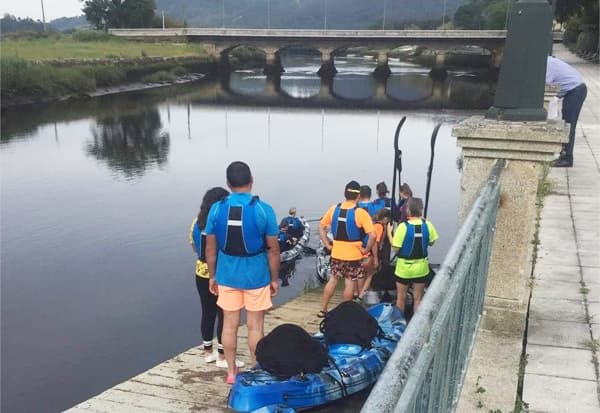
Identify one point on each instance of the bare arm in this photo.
(323, 235)
(375, 252)
(273, 256)
(370, 242)
(211, 262)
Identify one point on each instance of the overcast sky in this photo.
(33, 8)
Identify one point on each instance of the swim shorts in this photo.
(352, 270)
(233, 299)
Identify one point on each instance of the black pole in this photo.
(430, 170)
(397, 160)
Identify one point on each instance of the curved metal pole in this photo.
(430, 170)
(397, 160)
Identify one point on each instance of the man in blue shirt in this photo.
(573, 91)
(242, 254)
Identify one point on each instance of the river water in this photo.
(97, 197)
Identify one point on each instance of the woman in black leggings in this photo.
(210, 311)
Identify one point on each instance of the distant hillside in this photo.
(341, 14)
(69, 23)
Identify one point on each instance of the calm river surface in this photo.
(97, 197)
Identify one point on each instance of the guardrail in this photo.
(427, 369)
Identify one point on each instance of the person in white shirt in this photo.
(573, 91)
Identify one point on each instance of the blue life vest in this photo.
(416, 241)
(236, 230)
(199, 237)
(343, 225)
(378, 204)
(365, 205)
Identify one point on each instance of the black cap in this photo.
(352, 186)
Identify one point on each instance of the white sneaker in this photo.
(212, 357)
(223, 363)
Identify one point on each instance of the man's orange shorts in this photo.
(234, 299)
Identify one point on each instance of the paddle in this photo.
(430, 170)
(397, 160)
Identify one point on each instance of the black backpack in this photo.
(289, 350)
(350, 323)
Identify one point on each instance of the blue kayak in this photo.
(353, 369)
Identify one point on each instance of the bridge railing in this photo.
(426, 372)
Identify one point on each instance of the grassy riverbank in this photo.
(40, 68)
(92, 45)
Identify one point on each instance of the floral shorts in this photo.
(352, 270)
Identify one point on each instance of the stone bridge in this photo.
(332, 42)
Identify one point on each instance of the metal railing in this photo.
(427, 369)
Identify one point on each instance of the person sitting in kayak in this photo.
(382, 200)
(295, 225)
(349, 225)
(382, 219)
(410, 243)
(286, 241)
(364, 200)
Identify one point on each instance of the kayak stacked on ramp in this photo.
(351, 369)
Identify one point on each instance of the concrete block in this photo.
(589, 259)
(559, 361)
(558, 333)
(557, 289)
(594, 311)
(591, 275)
(593, 295)
(556, 310)
(564, 273)
(551, 258)
(493, 366)
(596, 330)
(560, 395)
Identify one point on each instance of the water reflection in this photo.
(300, 79)
(251, 82)
(130, 144)
(409, 87)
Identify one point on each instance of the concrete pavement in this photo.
(561, 373)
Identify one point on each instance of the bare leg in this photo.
(418, 290)
(401, 291)
(231, 322)
(360, 282)
(349, 288)
(256, 330)
(328, 292)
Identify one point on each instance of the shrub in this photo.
(92, 36)
(160, 77)
(179, 71)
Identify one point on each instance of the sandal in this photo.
(231, 379)
(322, 314)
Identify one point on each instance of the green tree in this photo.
(119, 13)
(139, 13)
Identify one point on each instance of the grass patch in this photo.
(23, 78)
(92, 45)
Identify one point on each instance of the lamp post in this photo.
(384, 11)
(163, 19)
(223, 14)
(268, 14)
(325, 17)
(43, 16)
